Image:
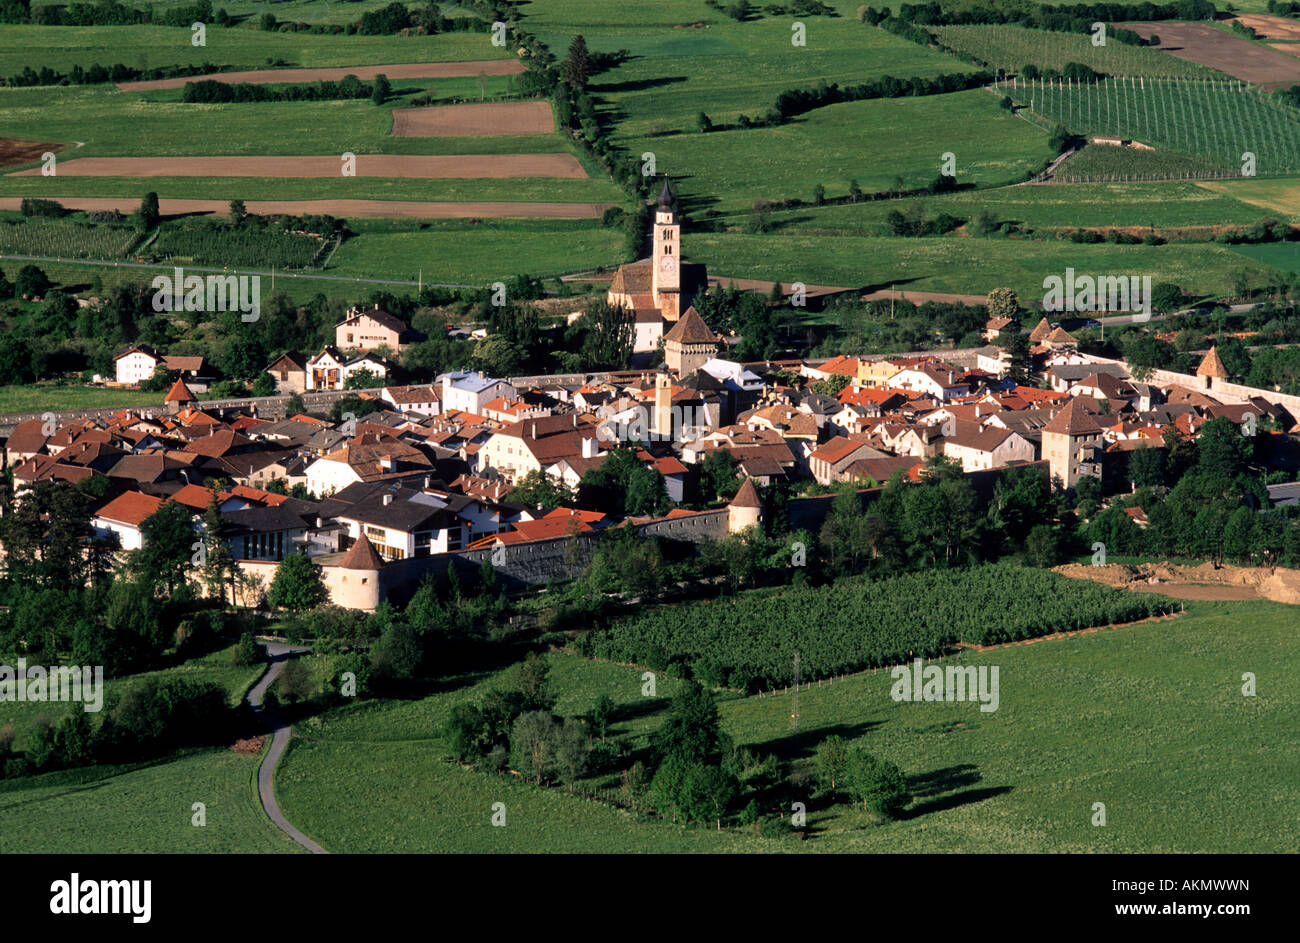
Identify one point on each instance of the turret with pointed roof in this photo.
(745, 509)
(689, 344)
(667, 199)
(1040, 332)
(177, 397)
(1212, 366)
(362, 556)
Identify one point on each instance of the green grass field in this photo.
(1281, 255)
(1148, 719)
(141, 809)
(1279, 196)
(152, 47)
(462, 252)
(862, 140)
(27, 399)
(953, 264)
(1162, 205)
(1013, 47)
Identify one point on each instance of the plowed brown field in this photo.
(453, 121)
(459, 166)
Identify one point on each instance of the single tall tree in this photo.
(577, 65)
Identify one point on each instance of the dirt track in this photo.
(1205, 582)
(13, 153)
(381, 209)
(412, 70)
(459, 166)
(1207, 46)
(454, 121)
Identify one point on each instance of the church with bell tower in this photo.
(660, 289)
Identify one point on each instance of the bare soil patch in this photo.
(14, 152)
(489, 118)
(250, 745)
(378, 209)
(458, 166)
(1204, 582)
(1270, 27)
(410, 70)
(1207, 46)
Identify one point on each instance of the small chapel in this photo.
(659, 290)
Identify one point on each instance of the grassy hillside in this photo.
(1148, 719)
(874, 142)
(953, 263)
(141, 809)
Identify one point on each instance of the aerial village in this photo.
(432, 469)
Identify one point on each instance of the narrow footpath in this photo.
(277, 653)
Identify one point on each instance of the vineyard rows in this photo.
(1108, 163)
(66, 239)
(1218, 122)
(751, 639)
(237, 247)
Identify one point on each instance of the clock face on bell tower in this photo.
(667, 264)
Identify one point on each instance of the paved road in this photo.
(279, 653)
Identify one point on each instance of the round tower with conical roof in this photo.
(356, 577)
(745, 509)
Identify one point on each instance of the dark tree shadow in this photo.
(955, 800)
(635, 85)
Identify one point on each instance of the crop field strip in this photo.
(382, 209)
(529, 117)
(468, 166)
(1013, 47)
(395, 72)
(62, 47)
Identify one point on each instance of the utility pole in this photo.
(794, 710)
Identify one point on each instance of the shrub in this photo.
(247, 651)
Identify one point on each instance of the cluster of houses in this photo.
(363, 343)
(433, 468)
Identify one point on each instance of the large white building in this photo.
(470, 392)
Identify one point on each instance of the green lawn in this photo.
(1148, 719)
(953, 263)
(870, 141)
